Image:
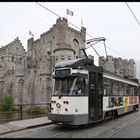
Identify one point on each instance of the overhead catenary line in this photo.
(48, 9)
(60, 16)
(132, 13)
(28, 16)
(76, 27)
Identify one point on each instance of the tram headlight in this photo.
(53, 101)
(66, 109)
(58, 105)
(67, 102)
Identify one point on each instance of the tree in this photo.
(7, 103)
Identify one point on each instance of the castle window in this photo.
(76, 43)
(69, 57)
(12, 58)
(2, 58)
(62, 57)
(56, 58)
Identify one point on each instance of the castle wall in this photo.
(119, 66)
(27, 76)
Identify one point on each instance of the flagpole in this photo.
(81, 22)
(67, 14)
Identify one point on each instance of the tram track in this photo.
(64, 132)
(112, 131)
(106, 133)
(105, 129)
(124, 127)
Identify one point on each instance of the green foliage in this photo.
(15, 108)
(7, 103)
(38, 110)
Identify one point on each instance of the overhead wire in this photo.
(26, 15)
(133, 13)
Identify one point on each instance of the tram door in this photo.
(95, 96)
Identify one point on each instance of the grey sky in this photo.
(111, 20)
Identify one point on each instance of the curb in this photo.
(39, 125)
(19, 129)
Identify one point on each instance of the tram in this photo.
(84, 93)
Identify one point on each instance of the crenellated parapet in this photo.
(119, 66)
(31, 72)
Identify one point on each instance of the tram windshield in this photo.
(69, 86)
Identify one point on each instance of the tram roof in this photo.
(74, 63)
(84, 61)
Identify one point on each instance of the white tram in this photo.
(83, 93)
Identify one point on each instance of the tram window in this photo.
(125, 89)
(131, 90)
(115, 88)
(107, 87)
(79, 86)
(121, 92)
(128, 90)
(62, 86)
(137, 90)
(133, 93)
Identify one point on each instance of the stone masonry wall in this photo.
(27, 76)
(119, 66)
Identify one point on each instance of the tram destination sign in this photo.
(62, 72)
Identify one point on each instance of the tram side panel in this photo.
(122, 104)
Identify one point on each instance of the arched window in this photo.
(76, 43)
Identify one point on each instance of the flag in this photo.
(30, 33)
(70, 12)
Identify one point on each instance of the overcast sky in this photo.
(112, 20)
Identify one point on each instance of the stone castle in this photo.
(27, 76)
(119, 66)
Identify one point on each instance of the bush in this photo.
(7, 103)
(37, 110)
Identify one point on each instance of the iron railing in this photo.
(24, 111)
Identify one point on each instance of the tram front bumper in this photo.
(61, 117)
(76, 119)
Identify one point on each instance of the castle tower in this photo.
(12, 64)
(64, 52)
(28, 75)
